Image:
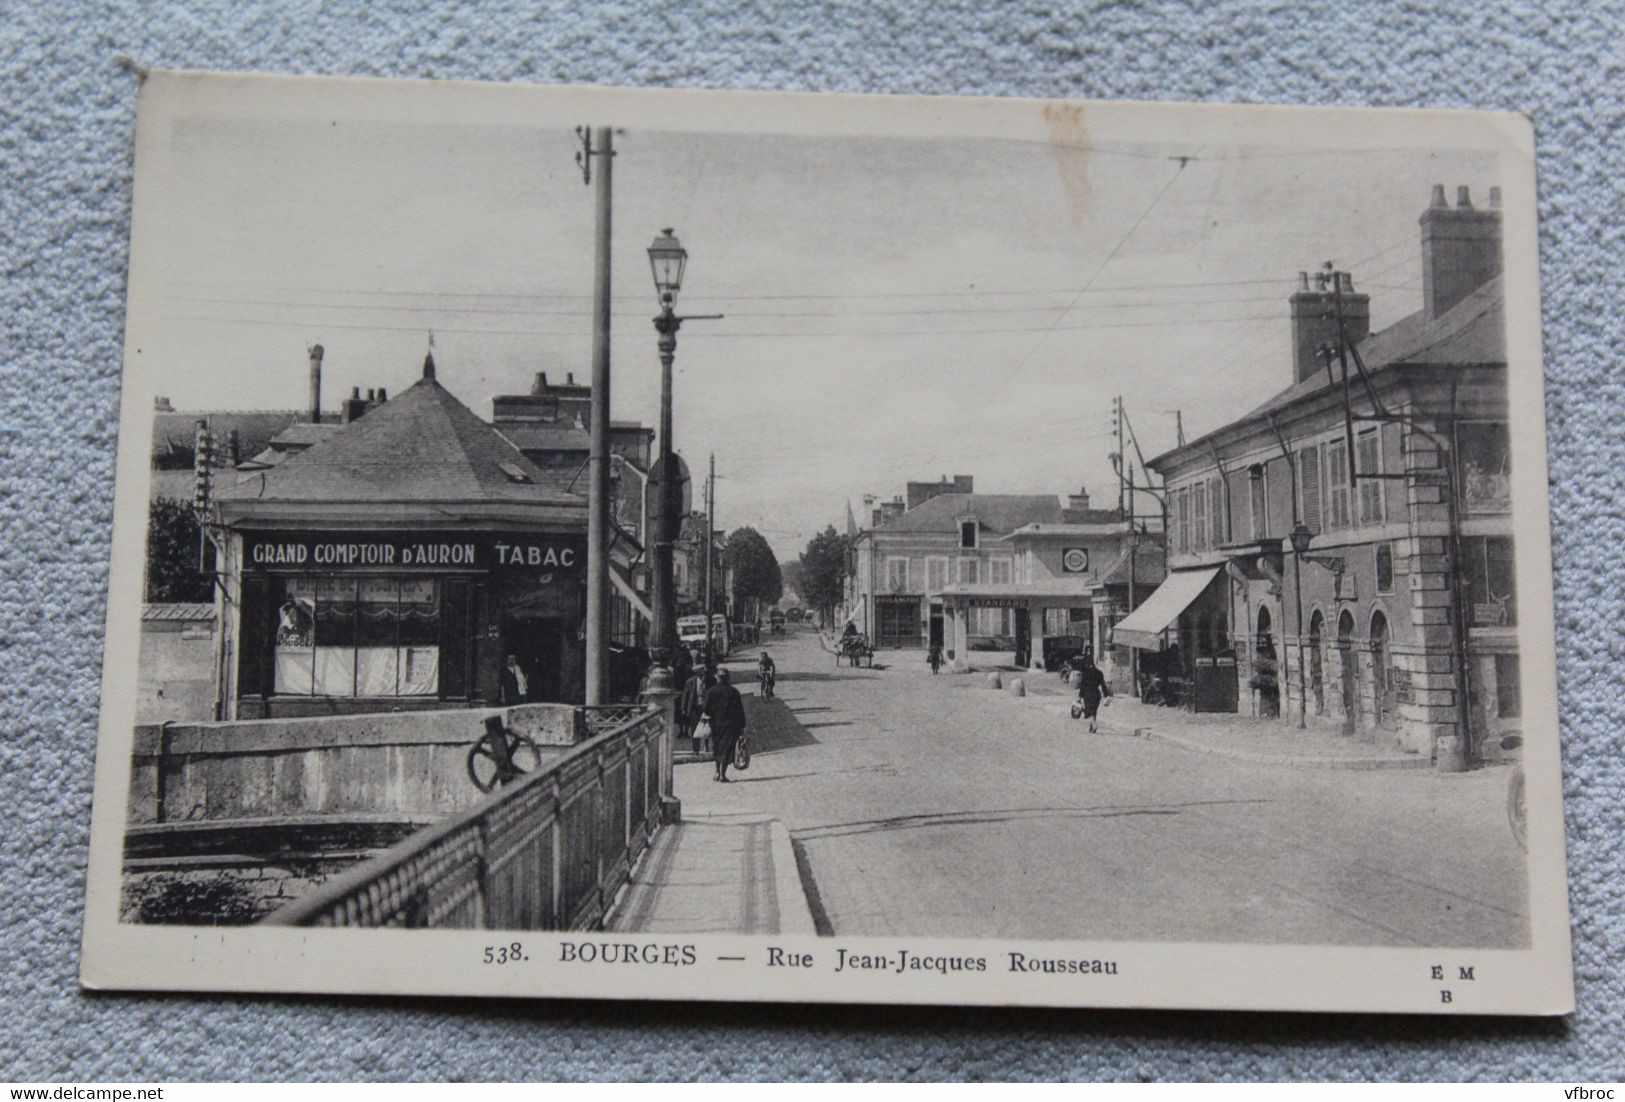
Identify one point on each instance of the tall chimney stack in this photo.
(316, 384)
(1461, 248)
(1314, 319)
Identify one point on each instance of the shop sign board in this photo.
(474, 551)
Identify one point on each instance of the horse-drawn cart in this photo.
(856, 650)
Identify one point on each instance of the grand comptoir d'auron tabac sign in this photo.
(320, 552)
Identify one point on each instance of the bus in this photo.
(691, 633)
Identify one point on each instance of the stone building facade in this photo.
(1398, 622)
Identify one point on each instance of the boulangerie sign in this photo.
(1259, 386)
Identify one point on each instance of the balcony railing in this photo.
(548, 852)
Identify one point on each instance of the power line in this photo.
(756, 296)
(530, 312)
(1025, 360)
(1172, 323)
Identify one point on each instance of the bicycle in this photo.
(765, 681)
(501, 756)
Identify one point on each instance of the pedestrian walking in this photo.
(935, 658)
(725, 708)
(1092, 688)
(691, 706)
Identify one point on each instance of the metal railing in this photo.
(548, 852)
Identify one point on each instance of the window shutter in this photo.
(1337, 483)
(1370, 462)
(255, 636)
(454, 637)
(1221, 516)
(1309, 479)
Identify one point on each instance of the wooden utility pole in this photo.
(598, 144)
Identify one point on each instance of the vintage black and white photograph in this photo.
(753, 546)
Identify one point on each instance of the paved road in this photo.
(926, 806)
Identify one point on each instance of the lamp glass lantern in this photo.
(667, 258)
(1300, 536)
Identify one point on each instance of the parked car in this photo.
(1058, 650)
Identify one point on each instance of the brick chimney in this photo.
(921, 492)
(1461, 248)
(316, 384)
(1314, 320)
(1079, 501)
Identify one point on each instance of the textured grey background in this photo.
(66, 125)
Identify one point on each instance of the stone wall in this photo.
(399, 763)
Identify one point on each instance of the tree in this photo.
(791, 572)
(172, 547)
(756, 574)
(823, 570)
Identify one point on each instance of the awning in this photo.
(633, 596)
(857, 612)
(1143, 627)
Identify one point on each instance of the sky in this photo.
(896, 307)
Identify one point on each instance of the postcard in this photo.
(635, 544)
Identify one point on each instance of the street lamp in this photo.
(667, 259)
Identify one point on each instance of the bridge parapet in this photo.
(548, 852)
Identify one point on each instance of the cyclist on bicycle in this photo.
(765, 673)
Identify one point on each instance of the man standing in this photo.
(512, 686)
(726, 710)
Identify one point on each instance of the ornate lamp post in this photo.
(667, 259)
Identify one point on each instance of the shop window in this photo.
(1508, 687)
(1484, 466)
(361, 637)
(1487, 573)
(1385, 567)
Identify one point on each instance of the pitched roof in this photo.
(422, 446)
(304, 434)
(539, 436)
(1150, 565)
(995, 513)
(1473, 332)
(174, 432)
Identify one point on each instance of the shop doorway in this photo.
(545, 657)
(1382, 686)
(1266, 668)
(1348, 672)
(1024, 638)
(1317, 663)
(935, 627)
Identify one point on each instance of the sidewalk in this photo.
(716, 873)
(1266, 741)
